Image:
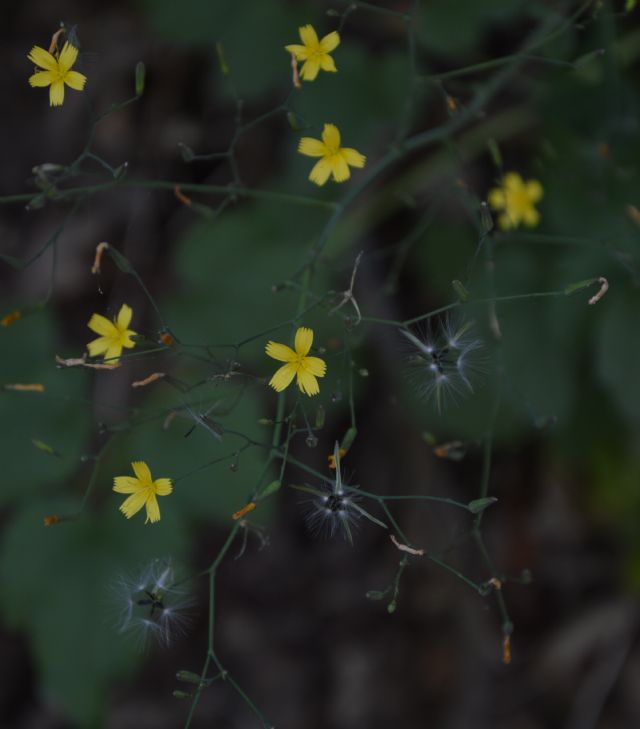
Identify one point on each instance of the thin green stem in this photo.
(74, 192)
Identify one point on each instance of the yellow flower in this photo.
(57, 72)
(113, 335)
(298, 364)
(517, 199)
(314, 52)
(335, 159)
(143, 490)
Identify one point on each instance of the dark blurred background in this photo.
(294, 625)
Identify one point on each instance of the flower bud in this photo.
(188, 676)
(140, 78)
(486, 221)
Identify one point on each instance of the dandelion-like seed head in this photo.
(152, 604)
(333, 512)
(334, 507)
(445, 362)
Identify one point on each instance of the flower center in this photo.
(58, 73)
(121, 336)
(519, 201)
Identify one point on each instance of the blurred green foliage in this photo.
(581, 143)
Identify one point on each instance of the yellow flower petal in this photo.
(308, 36)
(126, 485)
(134, 503)
(98, 346)
(143, 490)
(310, 69)
(320, 172)
(153, 510)
(331, 137)
(42, 78)
(124, 316)
(43, 59)
(303, 341)
(497, 198)
(531, 217)
(504, 222)
(113, 352)
(353, 157)
(282, 377)
(300, 52)
(127, 341)
(75, 80)
(101, 325)
(315, 366)
(327, 63)
(56, 93)
(307, 383)
(534, 191)
(163, 486)
(311, 147)
(143, 474)
(512, 181)
(339, 168)
(67, 57)
(330, 42)
(280, 352)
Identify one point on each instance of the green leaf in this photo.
(58, 415)
(58, 586)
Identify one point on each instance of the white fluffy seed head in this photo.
(152, 604)
(444, 365)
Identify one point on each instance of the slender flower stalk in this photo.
(56, 72)
(314, 52)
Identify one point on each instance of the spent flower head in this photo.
(314, 52)
(298, 364)
(334, 159)
(56, 72)
(335, 507)
(516, 198)
(144, 491)
(152, 603)
(445, 362)
(114, 335)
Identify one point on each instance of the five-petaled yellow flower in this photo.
(314, 52)
(516, 198)
(143, 490)
(57, 72)
(298, 364)
(114, 335)
(335, 159)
